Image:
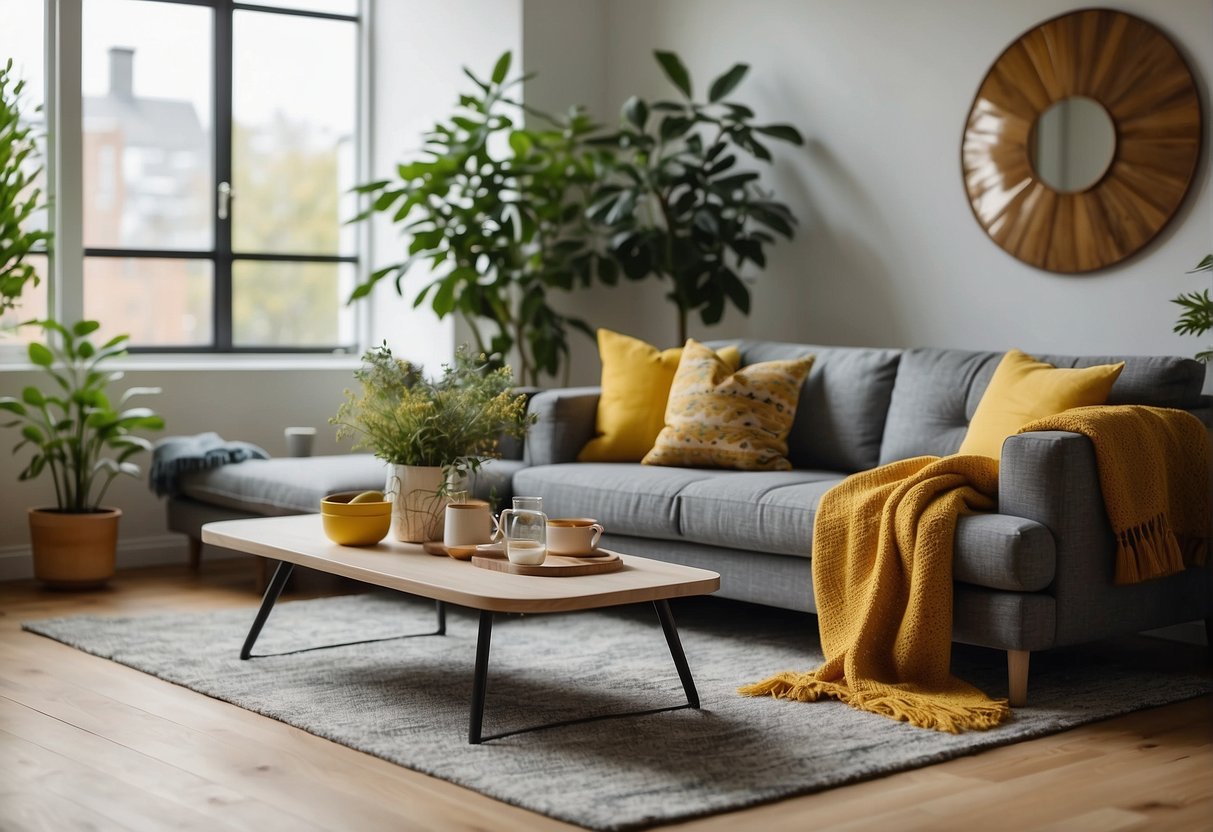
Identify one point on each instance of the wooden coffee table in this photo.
(299, 540)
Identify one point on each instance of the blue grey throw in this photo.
(177, 455)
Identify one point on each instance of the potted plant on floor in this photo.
(1197, 315)
(496, 209)
(19, 199)
(83, 442)
(433, 432)
(677, 203)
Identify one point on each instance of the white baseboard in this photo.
(16, 562)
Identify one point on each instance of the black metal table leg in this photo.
(440, 607)
(680, 659)
(281, 574)
(481, 679)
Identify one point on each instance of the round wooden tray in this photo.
(553, 566)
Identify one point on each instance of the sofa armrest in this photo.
(566, 422)
(1052, 477)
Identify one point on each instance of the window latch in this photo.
(225, 198)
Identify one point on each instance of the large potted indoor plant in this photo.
(677, 202)
(1197, 315)
(19, 198)
(433, 432)
(496, 210)
(83, 442)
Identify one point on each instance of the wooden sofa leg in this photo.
(195, 553)
(1017, 677)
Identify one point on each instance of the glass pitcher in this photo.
(525, 530)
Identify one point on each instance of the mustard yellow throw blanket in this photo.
(1154, 474)
(882, 560)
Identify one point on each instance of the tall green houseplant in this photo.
(1197, 315)
(497, 210)
(679, 204)
(19, 199)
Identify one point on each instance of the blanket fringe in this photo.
(1150, 550)
(932, 710)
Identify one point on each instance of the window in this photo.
(219, 147)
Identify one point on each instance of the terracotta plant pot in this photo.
(74, 551)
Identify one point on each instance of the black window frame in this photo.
(221, 255)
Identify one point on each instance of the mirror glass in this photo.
(1072, 144)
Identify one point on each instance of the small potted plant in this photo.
(433, 432)
(83, 442)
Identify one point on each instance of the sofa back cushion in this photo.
(937, 392)
(840, 417)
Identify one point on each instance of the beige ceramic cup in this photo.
(572, 536)
(468, 523)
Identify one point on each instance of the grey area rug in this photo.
(407, 700)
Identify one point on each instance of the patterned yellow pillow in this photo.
(716, 418)
(636, 379)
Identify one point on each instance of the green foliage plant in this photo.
(83, 440)
(497, 209)
(18, 198)
(454, 420)
(1197, 315)
(678, 205)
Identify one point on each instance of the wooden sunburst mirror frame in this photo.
(1134, 71)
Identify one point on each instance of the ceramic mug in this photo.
(468, 523)
(573, 536)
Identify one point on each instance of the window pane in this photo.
(291, 304)
(33, 304)
(146, 81)
(349, 7)
(165, 303)
(294, 102)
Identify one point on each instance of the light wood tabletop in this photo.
(299, 539)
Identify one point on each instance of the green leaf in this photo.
(83, 328)
(33, 397)
(672, 127)
(783, 132)
(636, 112)
(33, 434)
(12, 406)
(502, 68)
(673, 68)
(521, 142)
(728, 82)
(40, 355)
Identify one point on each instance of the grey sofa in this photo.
(1035, 575)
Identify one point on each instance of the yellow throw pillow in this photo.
(720, 418)
(636, 379)
(1023, 390)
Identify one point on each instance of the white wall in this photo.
(888, 252)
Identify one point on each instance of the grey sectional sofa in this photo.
(1035, 575)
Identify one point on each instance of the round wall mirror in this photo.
(1082, 141)
(1072, 144)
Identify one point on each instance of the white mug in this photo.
(573, 535)
(468, 523)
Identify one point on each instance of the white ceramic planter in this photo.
(417, 505)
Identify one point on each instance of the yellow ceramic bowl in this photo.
(355, 524)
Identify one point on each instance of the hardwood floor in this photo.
(89, 744)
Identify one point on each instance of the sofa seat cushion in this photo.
(774, 512)
(627, 498)
(291, 485)
(764, 511)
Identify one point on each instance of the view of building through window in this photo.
(219, 227)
